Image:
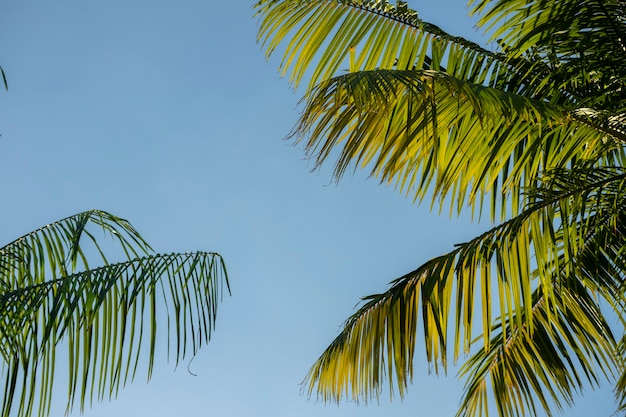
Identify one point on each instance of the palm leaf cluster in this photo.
(529, 132)
(107, 317)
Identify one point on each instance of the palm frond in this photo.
(59, 248)
(492, 274)
(378, 34)
(522, 368)
(429, 132)
(519, 366)
(582, 43)
(620, 386)
(107, 317)
(549, 25)
(426, 107)
(4, 79)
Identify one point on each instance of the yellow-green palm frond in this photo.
(485, 122)
(324, 34)
(570, 347)
(620, 388)
(429, 132)
(492, 274)
(571, 344)
(106, 317)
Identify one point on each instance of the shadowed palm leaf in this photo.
(105, 316)
(537, 129)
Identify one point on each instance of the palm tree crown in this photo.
(531, 132)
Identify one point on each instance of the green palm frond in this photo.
(582, 43)
(569, 25)
(104, 316)
(570, 347)
(571, 335)
(324, 33)
(492, 274)
(59, 248)
(431, 133)
(620, 386)
(414, 92)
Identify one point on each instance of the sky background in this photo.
(166, 113)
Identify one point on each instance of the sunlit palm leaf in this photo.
(620, 388)
(487, 273)
(105, 316)
(431, 133)
(545, 366)
(520, 366)
(353, 111)
(322, 34)
(547, 24)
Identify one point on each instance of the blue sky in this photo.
(167, 114)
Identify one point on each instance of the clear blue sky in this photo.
(166, 113)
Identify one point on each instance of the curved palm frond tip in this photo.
(4, 79)
(533, 129)
(105, 316)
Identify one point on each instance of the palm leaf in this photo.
(582, 43)
(542, 314)
(59, 248)
(353, 108)
(105, 316)
(522, 368)
(519, 366)
(323, 33)
(531, 23)
(4, 79)
(429, 132)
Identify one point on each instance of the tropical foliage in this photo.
(106, 314)
(529, 132)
